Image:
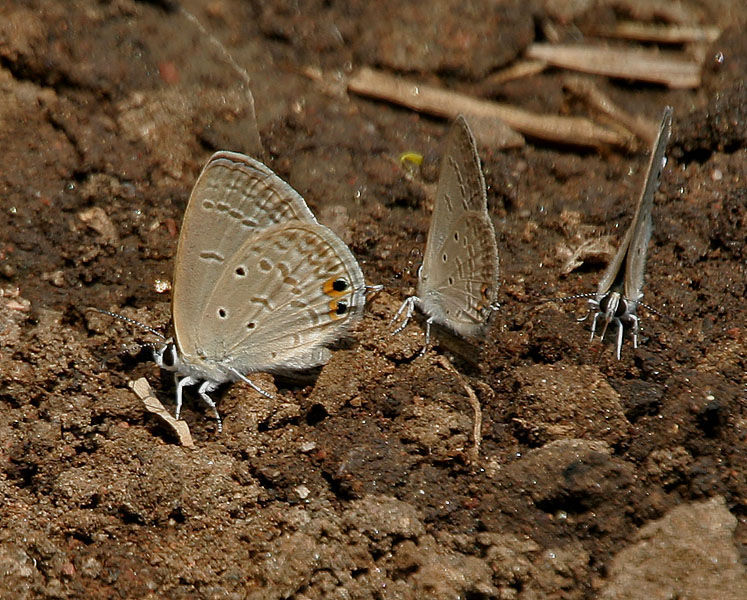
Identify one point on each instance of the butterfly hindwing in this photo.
(283, 294)
(461, 288)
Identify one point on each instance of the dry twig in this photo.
(592, 95)
(483, 113)
(662, 34)
(518, 70)
(625, 63)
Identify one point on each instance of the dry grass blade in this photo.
(662, 34)
(474, 401)
(624, 63)
(142, 389)
(480, 113)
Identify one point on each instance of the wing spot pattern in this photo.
(263, 301)
(265, 265)
(211, 256)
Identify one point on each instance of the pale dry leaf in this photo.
(142, 389)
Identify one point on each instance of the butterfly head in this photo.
(167, 357)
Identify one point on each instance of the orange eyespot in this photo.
(338, 309)
(485, 293)
(335, 287)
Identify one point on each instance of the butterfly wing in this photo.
(464, 284)
(461, 187)
(281, 296)
(459, 276)
(234, 197)
(642, 224)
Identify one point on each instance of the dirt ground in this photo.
(595, 477)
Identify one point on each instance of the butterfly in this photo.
(620, 289)
(259, 284)
(458, 280)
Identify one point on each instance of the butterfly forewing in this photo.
(634, 246)
(461, 187)
(642, 225)
(282, 295)
(234, 198)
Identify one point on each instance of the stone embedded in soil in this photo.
(566, 401)
(439, 573)
(570, 475)
(19, 571)
(688, 553)
(345, 377)
(380, 517)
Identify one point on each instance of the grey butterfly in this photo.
(620, 290)
(458, 280)
(259, 284)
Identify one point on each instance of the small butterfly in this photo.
(620, 290)
(458, 280)
(259, 284)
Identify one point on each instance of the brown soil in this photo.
(358, 484)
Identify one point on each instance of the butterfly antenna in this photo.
(131, 322)
(653, 310)
(574, 297)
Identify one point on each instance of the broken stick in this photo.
(481, 114)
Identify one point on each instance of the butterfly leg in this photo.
(409, 306)
(604, 329)
(209, 386)
(251, 383)
(180, 385)
(634, 318)
(619, 338)
(594, 325)
(427, 336)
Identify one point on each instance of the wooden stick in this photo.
(638, 64)
(592, 95)
(480, 113)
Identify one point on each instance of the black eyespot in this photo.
(342, 308)
(222, 313)
(444, 258)
(240, 271)
(251, 325)
(456, 236)
(340, 285)
(451, 281)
